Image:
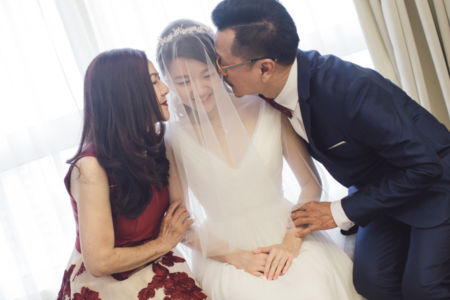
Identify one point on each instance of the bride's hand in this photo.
(248, 261)
(280, 256)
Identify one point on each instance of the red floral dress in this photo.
(165, 278)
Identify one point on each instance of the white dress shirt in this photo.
(289, 98)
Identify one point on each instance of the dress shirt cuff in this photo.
(339, 216)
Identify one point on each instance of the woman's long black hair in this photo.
(123, 122)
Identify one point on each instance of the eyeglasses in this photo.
(222, 69)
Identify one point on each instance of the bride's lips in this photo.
(207, 99)
(165, 103)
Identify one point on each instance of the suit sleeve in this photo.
(377, 117)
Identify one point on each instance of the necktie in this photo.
(286, 111)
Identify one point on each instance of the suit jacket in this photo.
(370, 134)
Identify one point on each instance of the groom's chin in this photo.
(234, 91)
(238, 94)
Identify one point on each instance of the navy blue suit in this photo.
(397, 156)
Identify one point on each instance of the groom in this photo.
(370, 136)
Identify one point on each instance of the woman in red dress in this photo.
(117, 184)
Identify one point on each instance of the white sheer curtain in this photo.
(46, 46)
(410, 43)
(40, 88)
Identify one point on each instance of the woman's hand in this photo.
(248, 261)
(174, 224)
(280, 256)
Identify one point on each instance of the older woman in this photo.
(117, 183)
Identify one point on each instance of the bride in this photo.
(226, 162)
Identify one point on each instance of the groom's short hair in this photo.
(263, 28)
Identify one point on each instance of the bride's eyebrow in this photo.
(181, 77)
(185, 76)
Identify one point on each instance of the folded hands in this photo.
(271, 261)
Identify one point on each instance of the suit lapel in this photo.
(303, 78)
(305, 66)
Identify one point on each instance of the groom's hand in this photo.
(317, 215)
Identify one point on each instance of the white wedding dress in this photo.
(248, 213)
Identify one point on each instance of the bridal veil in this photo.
(217, 145)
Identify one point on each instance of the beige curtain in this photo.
(409, 41)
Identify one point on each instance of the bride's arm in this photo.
(300, 162)
(175, 187)
(176, 193)
(280, 256)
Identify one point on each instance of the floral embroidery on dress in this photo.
(169, 259)
(80, 271)
(165, 281)
(86, 294)
(180, 286)
(176, 285)
(65, 288)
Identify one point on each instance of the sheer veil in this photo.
(219, 148)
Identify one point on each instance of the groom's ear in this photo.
(267, 68)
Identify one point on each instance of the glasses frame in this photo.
(222, 69)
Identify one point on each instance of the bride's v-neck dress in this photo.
(246, 212)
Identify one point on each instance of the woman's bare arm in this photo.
(90, 189)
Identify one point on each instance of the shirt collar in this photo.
(289, 94)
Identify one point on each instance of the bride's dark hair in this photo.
(123, 123)
(174, 42)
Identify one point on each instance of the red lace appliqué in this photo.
(169, 259)
(80, 271)
(176, 285)
(65, 286)
(86, 294)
